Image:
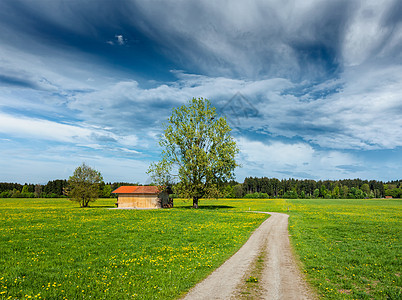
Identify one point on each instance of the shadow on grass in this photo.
(206, 207)
(97, 206)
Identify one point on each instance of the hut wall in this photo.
(138, 201)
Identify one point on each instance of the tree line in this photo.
(53, 189)
(254, 187)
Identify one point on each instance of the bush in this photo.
(290, 195)
(256, 196)
(5, 194)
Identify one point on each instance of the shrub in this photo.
(256, 196)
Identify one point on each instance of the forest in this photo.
(252, 187)
(53, 189)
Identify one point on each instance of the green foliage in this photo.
(323, 191)
(256, 196)
(356, 193)
(344, 191)
(107, 191)
(290, 195)
(38, 191)
(365, 189)
(335, 189)
(393, 191)
(229, 192)
(198, 146)
(25, 189)
(336, 193)
(55, 188)
(84, 185)
(238, 190)
(327, 189)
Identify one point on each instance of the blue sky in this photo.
(312, 89)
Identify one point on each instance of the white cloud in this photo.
(249, 39)
(42, 129)
(297, 160)
(276, 153)
(85, 136)
(128, 140)
(52, 72)
(324, 73)
(360, 110)
(33, 166)
(260, 50)
(366, 34)
(120, 39)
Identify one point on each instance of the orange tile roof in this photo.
(137, 190)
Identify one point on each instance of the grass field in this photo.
(52, 249)
(349, 249)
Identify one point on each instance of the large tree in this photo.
(198, 150)
(84, 185)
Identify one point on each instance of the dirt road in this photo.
(280, 278)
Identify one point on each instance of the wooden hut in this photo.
(142, 197)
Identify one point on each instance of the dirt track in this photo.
(280, 277)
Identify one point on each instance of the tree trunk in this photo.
(195, 202)
(84, 203)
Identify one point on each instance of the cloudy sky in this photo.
(312, 88)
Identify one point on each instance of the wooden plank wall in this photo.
(138, 201)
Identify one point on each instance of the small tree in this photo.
(84, 185)
(199, 147)
(38, 190)
(25, 189)
(107, 191)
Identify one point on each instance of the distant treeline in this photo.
(252, 187)
(53, 189)
(264, 187)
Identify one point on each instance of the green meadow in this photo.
(52, 249)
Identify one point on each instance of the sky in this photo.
(312, 89)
